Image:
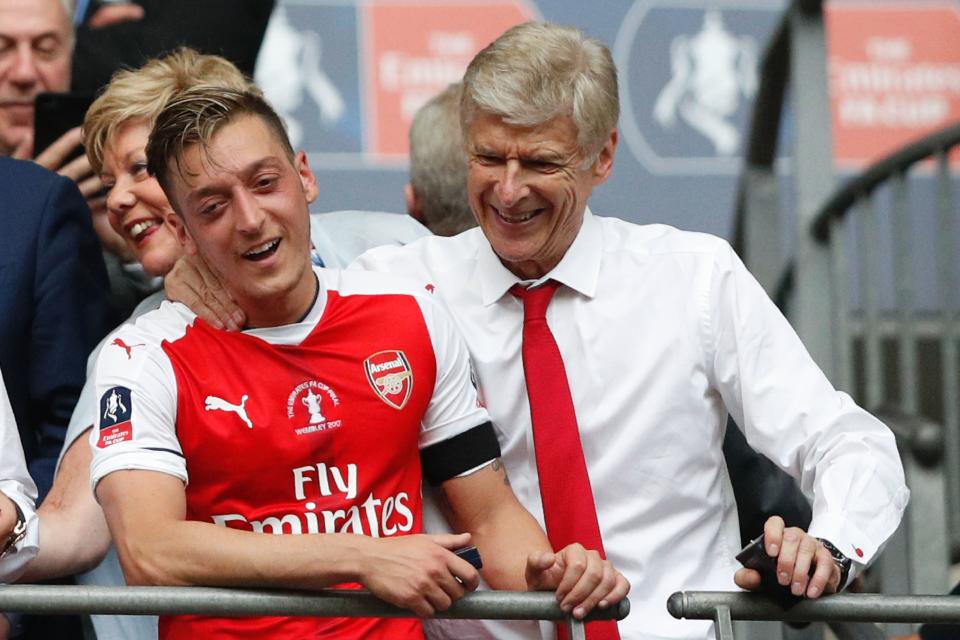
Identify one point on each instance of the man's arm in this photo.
(841, 455)
(73, 534)
(514, 548)
(157, 546)
(16, 486)
(71, 314)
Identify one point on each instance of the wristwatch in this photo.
(842, 561)
(19, 532)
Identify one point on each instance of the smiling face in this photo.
(36, 42)
(136, 205)
(242, 206)
(528, 188)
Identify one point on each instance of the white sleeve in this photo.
(16, 484)
(842, 456)
(455, 406)
(137, 410)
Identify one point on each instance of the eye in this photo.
(139, 169)
(211, 208)
(486, 159)
(48, 47)
(265, 183)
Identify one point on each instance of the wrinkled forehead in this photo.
(486, 130)
(32, 18)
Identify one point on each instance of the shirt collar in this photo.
(579, 268)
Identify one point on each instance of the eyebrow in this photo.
(244, 173)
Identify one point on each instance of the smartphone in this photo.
(471, 555)
(754, 556)
(54, 115)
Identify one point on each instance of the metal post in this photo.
(722, 623)
(813, 171)
(866, 215)
(576, 628)
(947, 267)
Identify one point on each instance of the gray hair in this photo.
(438, 164)
(536, 71)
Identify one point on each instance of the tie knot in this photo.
(535, 300)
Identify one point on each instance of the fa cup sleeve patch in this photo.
(115, 411)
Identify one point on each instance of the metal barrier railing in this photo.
(487, 605)
(723, 607)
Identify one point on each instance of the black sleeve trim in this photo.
(463, 452)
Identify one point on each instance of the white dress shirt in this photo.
(16, 484)
(662, 333)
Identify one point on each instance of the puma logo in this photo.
(118, 342)
(213, 403)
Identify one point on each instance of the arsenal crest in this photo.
(390, 376)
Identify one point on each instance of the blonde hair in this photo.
(536, 71)
(140, 94)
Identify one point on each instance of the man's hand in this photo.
(115, 13)
(419, 572)
(796, 551)
(581, 578)
(192, 283)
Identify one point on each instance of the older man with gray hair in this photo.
(609, 354)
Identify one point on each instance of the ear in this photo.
(175, 222)
(603, 166)
(414, 206)
(309, 181)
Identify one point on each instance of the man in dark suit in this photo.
(53, 305)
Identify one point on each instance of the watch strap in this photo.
(18, 533)
(841, 560)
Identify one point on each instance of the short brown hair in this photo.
(140, 94)
(195, 116)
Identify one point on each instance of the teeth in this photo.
(518, 218)
(266, 246)
(137, 230)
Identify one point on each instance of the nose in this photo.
(120, 199)
(512, 187)
(24, 69)
(249, 215)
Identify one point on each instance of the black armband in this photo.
(450, 458)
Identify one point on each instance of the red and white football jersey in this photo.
(306, 428)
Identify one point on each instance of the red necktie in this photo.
(568, 507)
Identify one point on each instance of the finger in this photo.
(213, 306)
(801, 569)
(826, 578)
(24, 148)
(451, 541)
(215, 295)
(90, 186)
(788, 555)
(467, 576)
(575, 564)
(620, 590)
(597, 581)
(747, 579)
(114, 14)
(77, 169)
(53, 156)
(773, 535)
(439, 594)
